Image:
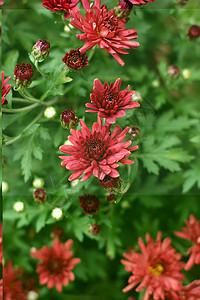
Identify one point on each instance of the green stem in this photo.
(17, 110)
(29, 125)
(38, 68)
(28, 98)
(20, 99)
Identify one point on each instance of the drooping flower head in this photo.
(109, 102)
(123, 9)
(5, 88)
(191, 233)
(68, 119)
(61, 6)
(12, 285)
(40, 50)
(75, 59)
(110, 183)
(104, 28)
(23, 75)
(89, 203)
(57, 263)
(96, 151)
(157, 268)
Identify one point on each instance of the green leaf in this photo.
(192, 177)
(40, 223)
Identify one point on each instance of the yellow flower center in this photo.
(157, 271)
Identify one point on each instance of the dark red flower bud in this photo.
(94, 229)
(134, 133)
(75, 59)
(57, 232)
(89, 203)
(123, 9)
(111, 184)
(40, 195)
(173, 72)
(194, 32)
(22, 75)
(40, 50)
(68, 119)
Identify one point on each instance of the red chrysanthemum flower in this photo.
(157, 268)
(194, 32)
(104, 28)
(191, 291)
(191, 233)
(138, 2)
(96, 152)
(62, 6)
(57, 263)
(12, 285)
(89, 203)
(5, 88)
(23, 75)
(1, 243)
(109, 102)
(75, 59)
(1, 2)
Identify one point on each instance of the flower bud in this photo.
(5, 187)
(40, 50)
(94, 229)
(111, 198)
(74, 183)
(123, 9)
(173, 72)
(186, 73)
(134, 133)
(111, 184)
(68, 119)
(50, 112)
(32, 295)
(40, 196)
(22, 75)
(75, 59)
(194, 32)
(57, 232)
(18, 206)
(137, 97)
(155, 83)
(38, 183)
(57, 214)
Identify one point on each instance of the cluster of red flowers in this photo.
(158, 267)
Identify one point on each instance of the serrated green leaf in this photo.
(30, 130)
(40, 223)
(192, 177)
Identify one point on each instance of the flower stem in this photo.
(17, 110)
(38, 68)
(28, 98)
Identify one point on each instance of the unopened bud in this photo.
(194, 32)
(5, 187)
(32, 295)
(123, 9)
(18, 206)
(40, 50)
(173, 72)
(23, 75)
(50, 112)
(111, 184)
(57, 214)
(186, 74)
(68, 119)
(38, 183)
(94, 229)
(40, 195)
(134, 133)
(137, 97)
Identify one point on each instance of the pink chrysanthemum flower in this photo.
(65, 6)
(104, 28)
(12, 285)
(1, 2)
(57, 263)
(96, 152)
(191, 233)
(157, 268)
(138, 2)
(5, 88)
(109, 102)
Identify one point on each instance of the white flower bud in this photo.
(38, 183)
(18, 206)
(50, 112)
(186, 73)
(57, 214)
(5, 187)
(32, 295)
(74, 183)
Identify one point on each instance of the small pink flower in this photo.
(65, 6)
(5, 88)
(109, 102)
(1, 2)
(104, 28)
(191, 233)
(57, 263)
(96, 151)
(157, 268)
(138, 2)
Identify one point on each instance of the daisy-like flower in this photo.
(12, 285)
(96, 151)
(109, 102)
(157, 268)
(5, 88)
(138, 2)
(191, 233)
(61, 6)
(57, 263)
(104, 28)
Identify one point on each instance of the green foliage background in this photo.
(165, 179)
